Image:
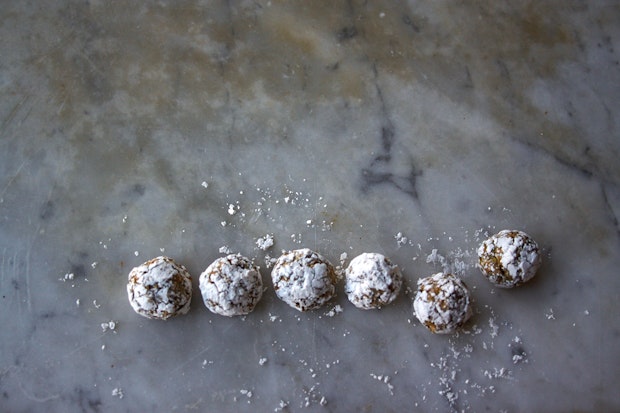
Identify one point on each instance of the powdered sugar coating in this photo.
(304, 279)
(442, 303)
(159, 289)
(509, 258)
(231, 286)
(372, 281)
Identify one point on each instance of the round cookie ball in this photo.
(442, 303)
(509, 258)
(304, 279)
(231, 286)
(372, 281)
(160, 289)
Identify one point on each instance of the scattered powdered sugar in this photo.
(312, 396)
(225, 250)
(456, 263)
(270, 261)
(498, 373)
(67, 277)
(262, 361)
(118, 392)
(281, 406)
(494, 327)
(109, 325)
(265, 242)
(518, 353)
(336, 310)
(384, 379)
(402, 240)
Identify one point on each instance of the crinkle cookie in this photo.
(304, 279)
(160, 289)
(509, 258)
(442, 303)
(372, 281)
(231, 286)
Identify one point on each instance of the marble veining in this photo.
(414, 129)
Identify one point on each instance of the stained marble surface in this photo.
(135, 129)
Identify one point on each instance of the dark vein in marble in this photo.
(409, 22)
(346, 33)
(379, 171)
(565, 162)
(610, 210)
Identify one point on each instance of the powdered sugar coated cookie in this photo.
(509, 258)
(231, 286)
(304, 279)
(372, 281)
(160, 289)
(442, 303)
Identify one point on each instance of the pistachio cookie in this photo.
(304, 279)
(231, 286)
(159, 289)
(442, 303)
(372, 281)
(509, 258)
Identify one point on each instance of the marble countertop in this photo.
(130, 130)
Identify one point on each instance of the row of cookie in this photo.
(305, 280)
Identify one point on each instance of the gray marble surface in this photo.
(414, 129)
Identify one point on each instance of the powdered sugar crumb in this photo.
(336, 310)
(400, 239)
(67, 277)
(110, 325)
(270, 261)
(494, 327)
(384, 379)
(265, 242)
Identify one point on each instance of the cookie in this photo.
(304, 279)
(231, 286)
(509, 258)
(160, 289)
(442, 303)
(372, 281)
